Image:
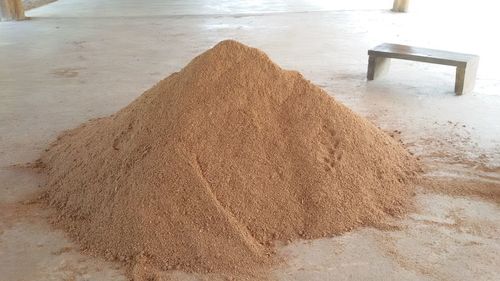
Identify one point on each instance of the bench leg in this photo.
(377, 66)
(465, 77)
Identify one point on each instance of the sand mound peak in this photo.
(204, 170)
(233, 53)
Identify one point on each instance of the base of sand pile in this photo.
(211, 165)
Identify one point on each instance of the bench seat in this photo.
(466, 64)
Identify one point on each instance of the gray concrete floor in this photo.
(80, 59)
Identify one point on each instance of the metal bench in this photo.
(466, 64)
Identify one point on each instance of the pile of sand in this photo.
(204, 170)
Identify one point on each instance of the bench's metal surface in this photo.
(466, 64)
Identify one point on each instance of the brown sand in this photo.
(475, 187)
(204, 170)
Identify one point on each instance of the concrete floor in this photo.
(80, 59)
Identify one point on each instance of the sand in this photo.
(207, 168)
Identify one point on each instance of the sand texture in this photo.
(212, 164)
